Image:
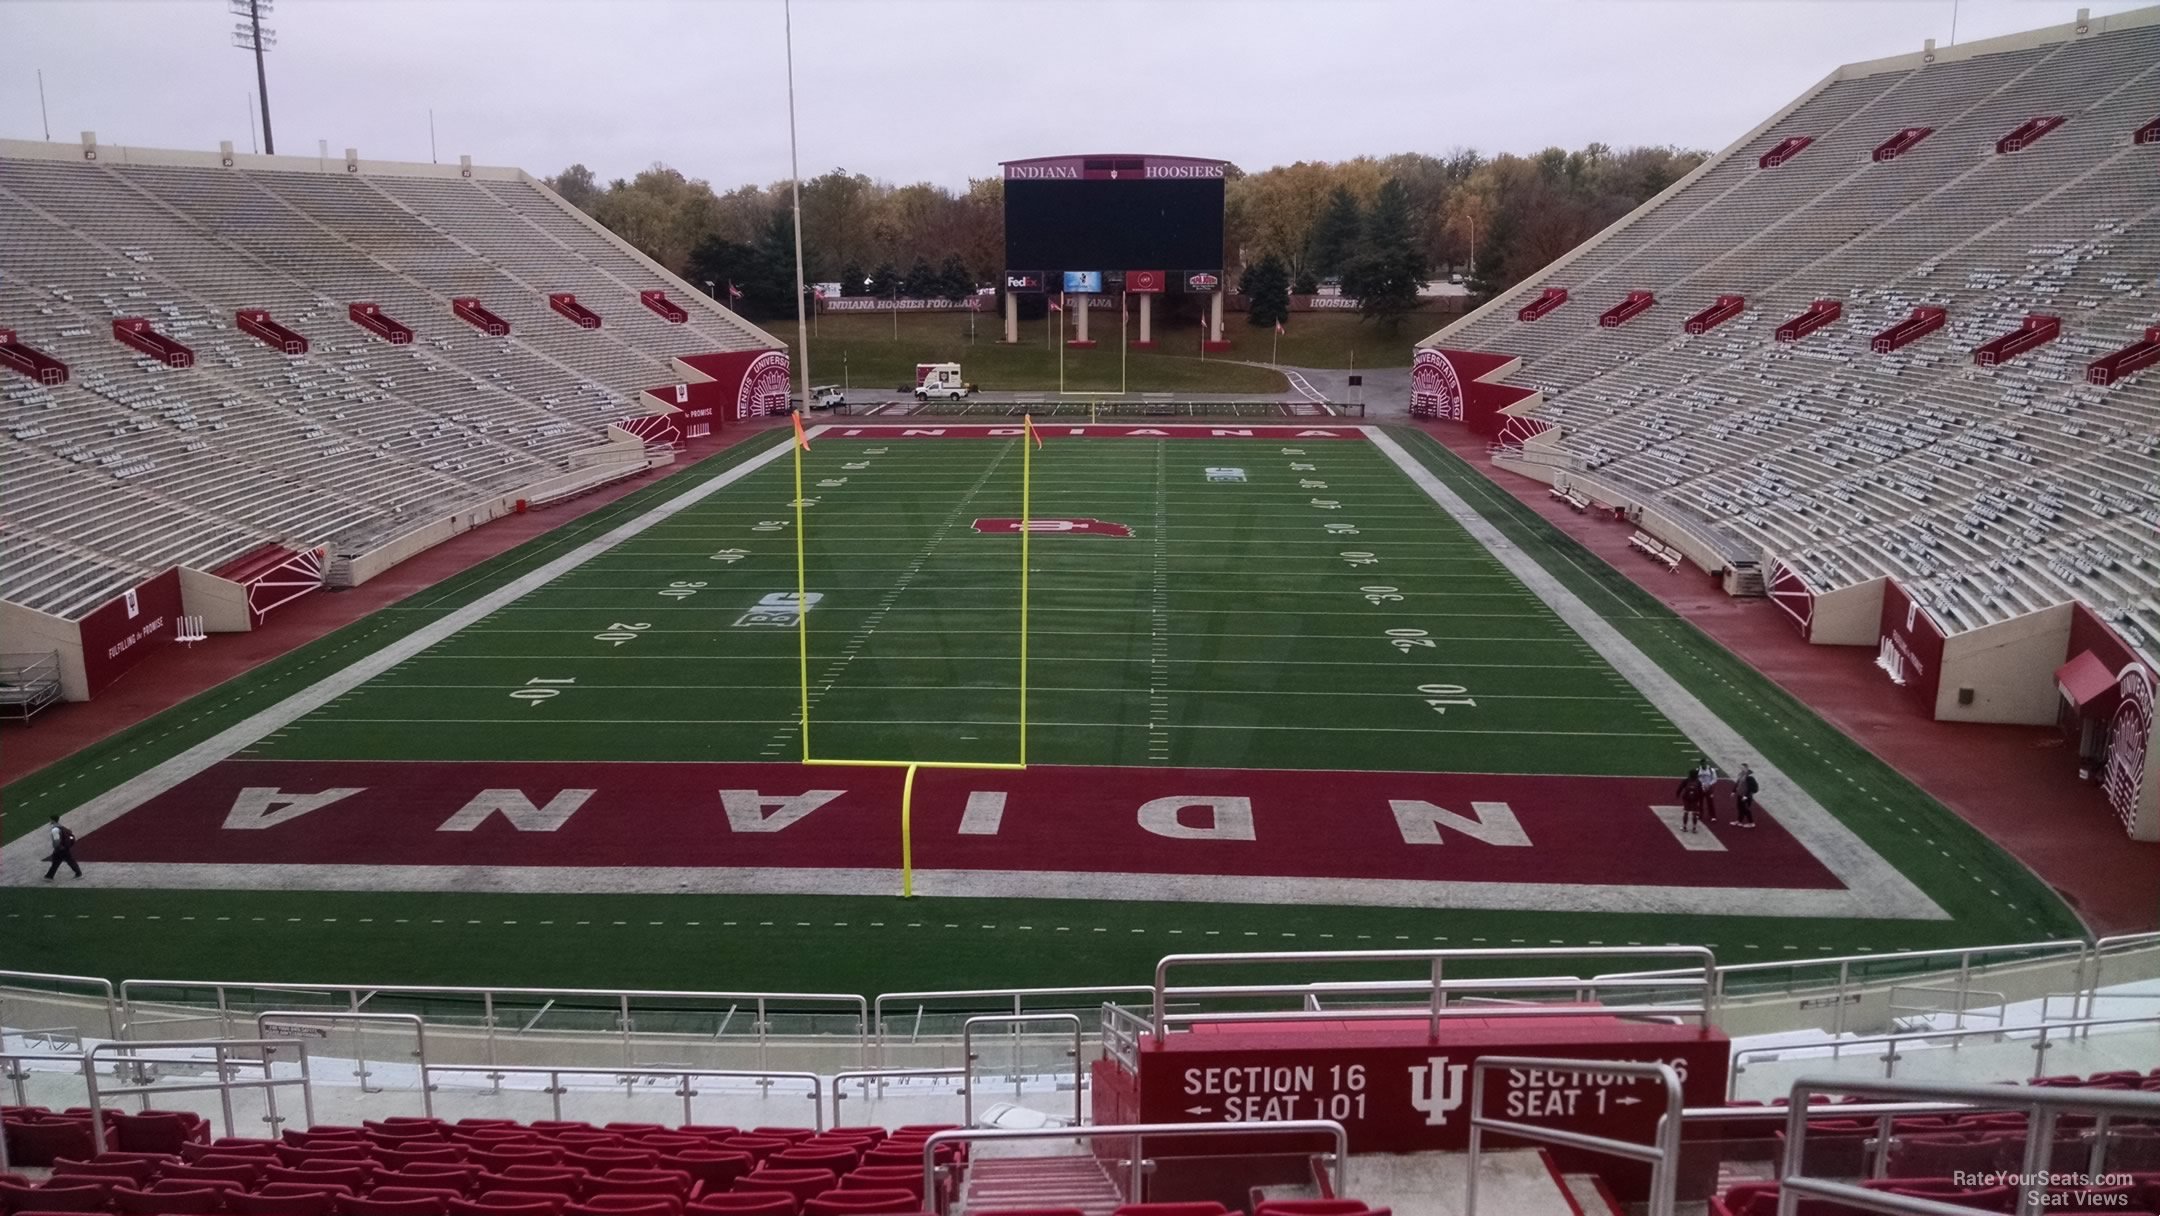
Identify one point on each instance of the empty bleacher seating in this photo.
(296, 372)
(1989, 488)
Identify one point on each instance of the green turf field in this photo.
(1270, 618)
(1278, 644)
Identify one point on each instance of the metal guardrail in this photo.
(1437, 985)
(982, 1000)
(1663, 1156)
(2040, 1107)
(222, 1060)
(968, 1057)
(622, 1005)
(628, 1078)
(2041, 1033)
(36, 980)
(866, 1077)
(266, 1021)
(1339, 1160)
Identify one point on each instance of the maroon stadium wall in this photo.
(124, 630)
(1909, 630)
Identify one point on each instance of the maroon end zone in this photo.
(1409, 838)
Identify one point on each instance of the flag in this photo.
(733, 292)
(1027, 423)
(1278, 329)
(801, 440)
(1056, 307)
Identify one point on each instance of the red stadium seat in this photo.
(748, 1203)
(533, 1169)
(409, 1151)
(601, 1160)
(837, 1158)
(784, 1133)
(677, 1183)
(1197, 1208)
(88, 1196)
(710, 1168)
(158, 1131)
(862, 1203)
(183, 1185)
(759, 1147)
(305, 1188)
(627, 1205)
(1309, 1207)
(195, 1201)
(804, 1184)
(567, 1187)
(36, 1145)
(242, 1173)
(510, 1203)
(134, 1170)
(307, 1203)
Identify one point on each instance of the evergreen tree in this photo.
(1266, 288)
(720, 262)
(883, 281)
(921, 280)
(1390, 266)
(851, 279)
(1335, 235)
(1306, 284)
(954, 281)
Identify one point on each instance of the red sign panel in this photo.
(1146, 280)
(1395, 1091)
(124, 630)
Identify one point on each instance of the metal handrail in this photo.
(881, 1075)
(1437, 960)
(1663, 1156)
(2100, 948)
(623, 999)
(630, 1076)
(1015, 1020)
(2040, 1105)
(1138, 1132)
(221, 1052)
(360, 1071)
(103, 986)
(11, 1070)
(1890, 1058)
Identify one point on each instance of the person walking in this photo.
(1690, 794)
(1706, 775)
(1744, 789)
(63, 849)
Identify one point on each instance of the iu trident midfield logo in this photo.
(1437, 1089)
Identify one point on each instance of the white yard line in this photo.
(1881, 886)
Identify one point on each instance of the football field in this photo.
(1315, 683)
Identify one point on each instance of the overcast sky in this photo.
(942, 90)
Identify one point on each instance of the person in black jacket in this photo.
(1744, 788)
(63, 849)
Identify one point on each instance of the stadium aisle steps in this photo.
(1078, 1183)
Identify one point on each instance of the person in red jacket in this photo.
(1692, 796)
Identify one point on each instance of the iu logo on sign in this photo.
(1436, 1089)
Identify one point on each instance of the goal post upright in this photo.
(802, 637)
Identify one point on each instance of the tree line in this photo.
(1378, 225)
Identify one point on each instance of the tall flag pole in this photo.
(802, 308)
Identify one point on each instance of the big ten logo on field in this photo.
(1082, 527)
(1221, 473)
(779, 608)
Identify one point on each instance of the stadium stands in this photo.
(215, 357)
(1880, 203)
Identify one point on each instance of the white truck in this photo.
(940, 381)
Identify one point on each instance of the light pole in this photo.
(802, 319)
(249, 35)
(709, 285)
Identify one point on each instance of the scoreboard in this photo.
(1084, 222)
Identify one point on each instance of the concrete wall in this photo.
(1848, 616)
(28, 631)
(2009, 666)
(220, 602)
